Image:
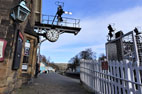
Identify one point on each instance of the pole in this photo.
(39, 49)
(38, 62)
(54, 19)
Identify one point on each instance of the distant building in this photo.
(50, 69)
(42, 67)
(46, 68)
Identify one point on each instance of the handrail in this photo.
(69, 22)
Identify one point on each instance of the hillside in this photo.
(62, 66)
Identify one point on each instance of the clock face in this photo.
(52, 35)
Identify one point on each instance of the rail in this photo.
(69, 22)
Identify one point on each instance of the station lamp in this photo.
(20, 12)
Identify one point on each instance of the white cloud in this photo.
(94, 31)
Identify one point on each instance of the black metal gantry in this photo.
(69, 25)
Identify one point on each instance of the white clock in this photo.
(52, 35)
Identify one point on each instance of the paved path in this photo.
(53, 83)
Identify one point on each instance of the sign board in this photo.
(104, 65)
(24, 67)
(3, 44)
(27, 49)
(18, 51)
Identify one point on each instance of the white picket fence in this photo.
(120, 78)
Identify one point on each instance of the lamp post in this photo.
(20, 12)
(39, 49)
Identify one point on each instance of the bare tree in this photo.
(87, 54)
(43, 59)
(74, 62)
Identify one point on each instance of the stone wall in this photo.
(9, 79)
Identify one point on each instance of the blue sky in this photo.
(95, 15)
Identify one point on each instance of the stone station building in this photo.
(20, 54)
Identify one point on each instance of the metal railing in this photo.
(69, 22)
(126, 47)
(120, 78)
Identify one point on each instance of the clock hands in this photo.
(52, 35)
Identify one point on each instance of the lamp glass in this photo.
(15, 13)
(22, 14)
